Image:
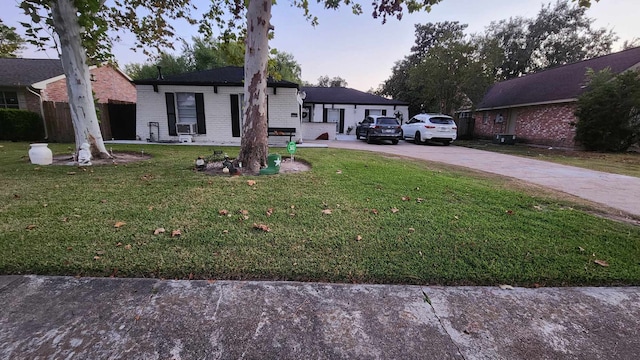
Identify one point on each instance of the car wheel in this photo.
(369, 139)
(394, 141)
(446, 142)
(416, 138)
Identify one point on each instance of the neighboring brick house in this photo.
(539, 108)
(206, 106)
(27, 83)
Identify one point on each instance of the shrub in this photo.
(20, 125)
(609, 112)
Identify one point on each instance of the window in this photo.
(186, 108)
(9, 100)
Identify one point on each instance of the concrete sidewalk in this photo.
(617, 191)
(102, 318)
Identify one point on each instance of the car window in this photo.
(441, 120)
(387, 121)
(413, 121)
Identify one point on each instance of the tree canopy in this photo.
(10, 42)
(202, 54)
(448, 69)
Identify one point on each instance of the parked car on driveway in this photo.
(436, 127)
(374, 128)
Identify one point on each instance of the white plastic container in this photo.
(40, 154)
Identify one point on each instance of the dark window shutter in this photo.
(171, 113)
(325, 113)
(366, 113)
(202, 128)
(384, 112)
(235, 115)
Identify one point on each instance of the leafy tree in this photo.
(442, 73)
(559, 35)
(10, 42)
(609, 111)
(326, 81)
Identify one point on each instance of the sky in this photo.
(362, 50)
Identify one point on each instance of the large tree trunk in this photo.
(76, 70)
(254, 147)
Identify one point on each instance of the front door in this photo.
(511, 122)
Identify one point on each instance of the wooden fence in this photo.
(59, 126)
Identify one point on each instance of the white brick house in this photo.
(206, 106)
(333, 110)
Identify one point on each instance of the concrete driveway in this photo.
(616, 191)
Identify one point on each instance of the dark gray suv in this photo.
(375, 128)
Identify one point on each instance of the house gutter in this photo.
(44, 121)
(564, 101)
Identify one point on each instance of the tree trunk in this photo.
(76, 70)
(254, 147)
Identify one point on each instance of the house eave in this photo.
(554, 102)
(207, 83)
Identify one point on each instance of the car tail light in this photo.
(429, 126)
(454, 128)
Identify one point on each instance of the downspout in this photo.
(44, 122)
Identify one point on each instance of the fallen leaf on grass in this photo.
(65, 219)
(358, 238)
(176, 233)
(223, 212)
(262, 227)
(96, 257)
(225, 231)
(244, 212)
(150, 208)
(269, 212)
(128, 246)
(119, 244)
(537, 207)
(580, 248)
(339, 172)
(406, 198)
(394, 210)
(251, 182)
(419, 200)
(119, 224)
(103, 201)
(411, 230)
(374, 211)
(601, 263)
(509, 212)
(71, 173)
(506, 287)
(159, 231)
(456, 217)
(326, 212)
(30, 227)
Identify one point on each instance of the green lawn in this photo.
(627, 163)
(416, 222)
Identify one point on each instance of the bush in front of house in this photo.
(20, 125)
(609, 112)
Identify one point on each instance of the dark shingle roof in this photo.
(24, 72)
(341, 95)
(563, 83)
(225, 76)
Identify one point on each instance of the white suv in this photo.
(436, 127)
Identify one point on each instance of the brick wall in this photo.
(550, 125)
(109, 84)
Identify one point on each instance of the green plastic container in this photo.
(273, 165)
